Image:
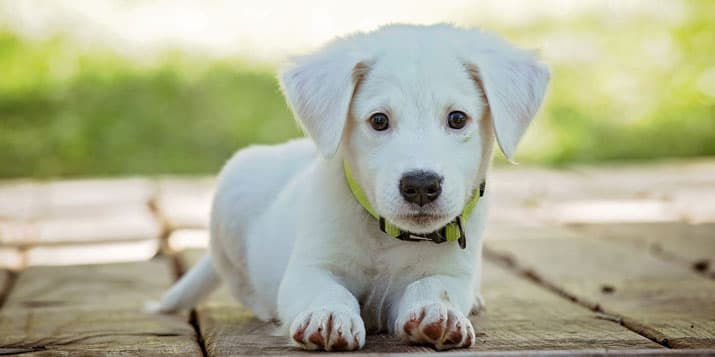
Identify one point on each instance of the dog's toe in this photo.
(437, 325)
(328, 330)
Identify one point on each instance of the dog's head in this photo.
(414, 111)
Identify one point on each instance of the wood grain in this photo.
(690, 244)
(93, 309)
(660, 299)
(520, 316)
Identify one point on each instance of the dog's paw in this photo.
(328, 330)
(436, 325)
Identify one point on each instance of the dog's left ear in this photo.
(514, 84)
(319, 89)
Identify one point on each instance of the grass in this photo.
(111, 117)
(65, 112)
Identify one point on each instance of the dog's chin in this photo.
(418, 222)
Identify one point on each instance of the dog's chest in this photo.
(392, 266)
(382, 290)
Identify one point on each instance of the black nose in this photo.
(420, 187)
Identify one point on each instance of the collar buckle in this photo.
(439, 236)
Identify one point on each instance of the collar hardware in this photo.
(453, 231)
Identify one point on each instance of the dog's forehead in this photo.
(423, 77)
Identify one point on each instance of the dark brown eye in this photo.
(457, 119)
(379, 121)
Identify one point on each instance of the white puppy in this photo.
(408, 116)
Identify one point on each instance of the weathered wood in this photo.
(19, 200)
(93, 309)
(122, 223)
(689, 244)
(695, 203)
(647, 180)
(659, 299)
(16, 233)
(184, 239)
(92, 253)
(27, 200)
(185, 203)
(11, 258)
(520, 316)
(664, 192)
(4, 285)
(514, 231)
(86, 197)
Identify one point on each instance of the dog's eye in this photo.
(457, 119)
(379, 121)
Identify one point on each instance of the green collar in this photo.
(453, 231)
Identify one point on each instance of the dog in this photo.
(374, 222)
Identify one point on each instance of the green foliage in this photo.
(637, 96)
(637, 93)
(109, 117)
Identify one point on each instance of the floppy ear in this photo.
(319, 89)
(514, 84)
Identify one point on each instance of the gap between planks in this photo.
(193, 318)
(7, 281)
(689, 245)
(502, 335)
(509, 263)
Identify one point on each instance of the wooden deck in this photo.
(590, 261)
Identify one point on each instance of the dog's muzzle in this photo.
(453, 231)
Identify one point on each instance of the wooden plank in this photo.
(93, 309)
(28, 200)
(88, 196)
(91, 253)
(16, 233)
(647, 180)
(660, 299)
(11, 258)
(184, 239)
(523, 201)
(695, 204)
(185, 202)
(20, 200)
(123, 223)
(689, 244)
(520, 316)
(662, 192)
(4, 285)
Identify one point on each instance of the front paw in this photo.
(437, 325)
(328, 330)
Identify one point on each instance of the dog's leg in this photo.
(322, 314)
(432, 311)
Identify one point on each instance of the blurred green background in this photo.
(625, 88)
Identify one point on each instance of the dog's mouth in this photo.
(421, 222)
(423, 218)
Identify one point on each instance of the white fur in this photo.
(291, 241)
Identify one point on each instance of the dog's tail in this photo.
(193, 286)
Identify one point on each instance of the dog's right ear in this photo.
(319, 88)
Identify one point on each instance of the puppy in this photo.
(375, 222)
